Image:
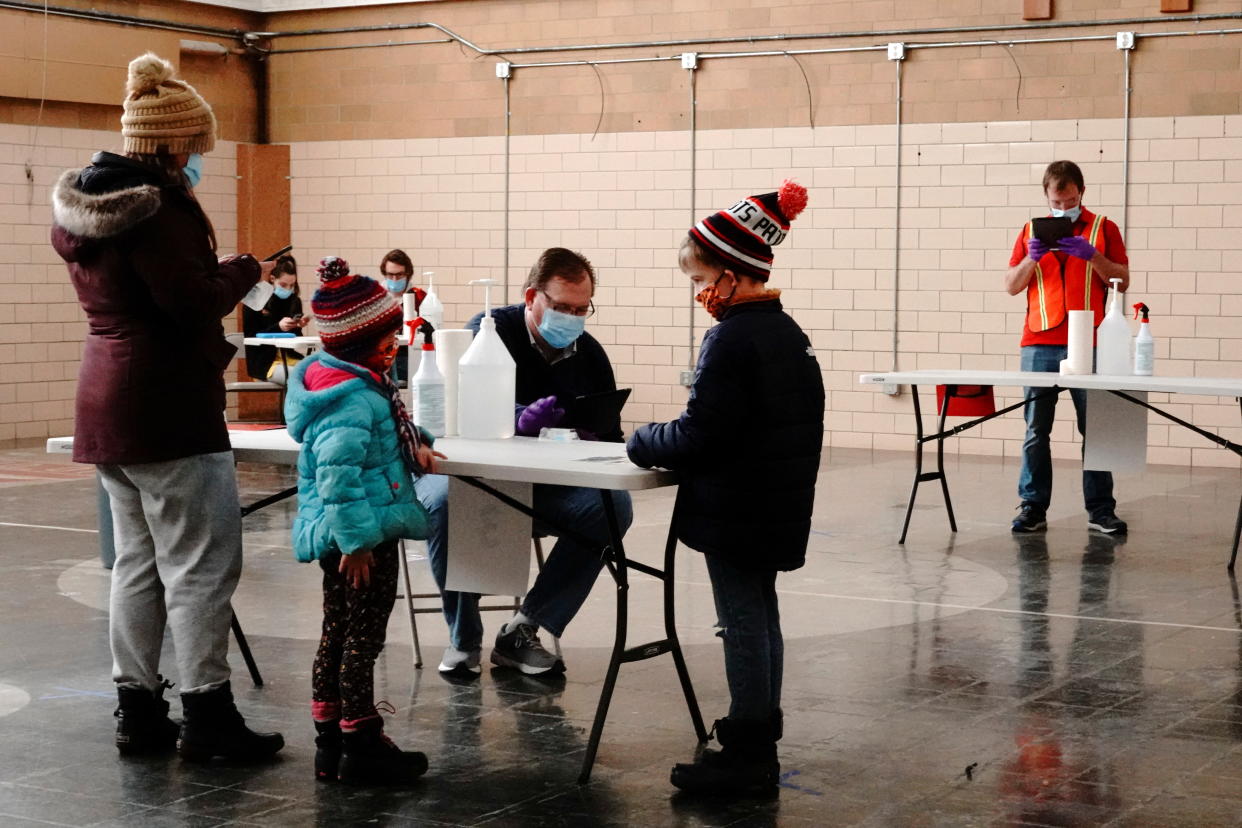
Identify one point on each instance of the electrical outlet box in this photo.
(896, 51)
(892, 389)
(689, 60)
(504, 69)
(687, 378)
(1125, 40)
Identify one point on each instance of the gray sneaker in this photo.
(460, 663)
(521, 649)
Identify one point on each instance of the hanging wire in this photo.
(1017, 95)
(810, 101)
(34, 138)
(599, 77)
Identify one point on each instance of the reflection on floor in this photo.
(976, 679)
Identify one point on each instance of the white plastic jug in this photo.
(486, 381)
(431, 308)
(1112, 338)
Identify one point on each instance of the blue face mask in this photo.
(396, 285)
(561, 329)
(1072, 213)
(193, 169)
(283, 292)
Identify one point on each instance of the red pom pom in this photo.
(791, 198)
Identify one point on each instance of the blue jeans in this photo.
(750, 627)
(568, 574)
(1035, 481)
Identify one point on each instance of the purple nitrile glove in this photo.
(1078, 247)
(540, 414)
(1035, 249)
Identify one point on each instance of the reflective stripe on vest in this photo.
(1055, 290)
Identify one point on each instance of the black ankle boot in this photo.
(746, 764)
(213, 727)
(327, 750)
(368, 757)
(142, 724)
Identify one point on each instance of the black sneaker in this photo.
(521, 649)
(1108, 523)
(1030, 518)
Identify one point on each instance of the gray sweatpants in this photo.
(177, 527)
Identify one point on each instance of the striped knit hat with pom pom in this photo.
(744, 235)
(353, 313)
(161, 111)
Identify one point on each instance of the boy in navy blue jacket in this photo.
(746, 450)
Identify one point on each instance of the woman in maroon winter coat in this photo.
(150, 411)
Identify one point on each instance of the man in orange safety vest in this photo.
(1074, 275)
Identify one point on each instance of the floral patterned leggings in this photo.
(354, 624)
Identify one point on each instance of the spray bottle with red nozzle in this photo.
(427, 385)
(1144, 345)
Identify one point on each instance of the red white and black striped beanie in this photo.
(353, 313)
(744, 235)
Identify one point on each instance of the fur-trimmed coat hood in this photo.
(102, 201)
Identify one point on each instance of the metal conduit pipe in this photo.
(897, 218)
(508, 134)
(1125, 151)
(694, 166)
(123, 19)
(903, 33)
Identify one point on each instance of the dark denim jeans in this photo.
(750, 627)
(1035, 480)
(568, 574)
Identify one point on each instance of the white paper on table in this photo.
(488, 542)
(1116, 438)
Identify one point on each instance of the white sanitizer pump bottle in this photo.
(1144, 344)
(1112, 338)
(487, 380)
(431, 308)
(428, 385)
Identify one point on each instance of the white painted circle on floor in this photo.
(836, 593)
(12, 699)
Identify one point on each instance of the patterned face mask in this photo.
(711, 300)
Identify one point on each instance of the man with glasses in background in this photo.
(556, 362)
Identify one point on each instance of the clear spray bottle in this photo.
(1144, 344)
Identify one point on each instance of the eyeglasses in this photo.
(585, 313)
(401, 275)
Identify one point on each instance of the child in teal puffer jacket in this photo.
(355, 502)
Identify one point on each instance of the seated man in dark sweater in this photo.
(556, 361)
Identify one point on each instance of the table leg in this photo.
(245, 651)
(925, 477)
(670, 626)
(1237, 526)
(616, 563)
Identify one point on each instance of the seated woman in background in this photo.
(281, 314)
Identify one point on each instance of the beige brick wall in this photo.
(41, 324)
(623, 199)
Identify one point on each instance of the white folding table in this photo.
(589, 464)
(1118, 386)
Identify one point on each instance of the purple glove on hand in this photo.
(540, 414)
(1077, 246)
(1035, 249)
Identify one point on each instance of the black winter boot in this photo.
(368, 757)
(746, 764)
(142, 724)
(213, 727)
(327, 750)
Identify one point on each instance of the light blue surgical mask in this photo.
(561, 329)
(1072, 213)
(194, 169)
(283, 292)
(396, 285)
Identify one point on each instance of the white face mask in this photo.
(1072, 213)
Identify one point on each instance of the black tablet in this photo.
(599, 412)
(1050, 230)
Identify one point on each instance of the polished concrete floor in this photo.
(968, 679)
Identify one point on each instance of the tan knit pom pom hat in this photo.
(161, 111)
